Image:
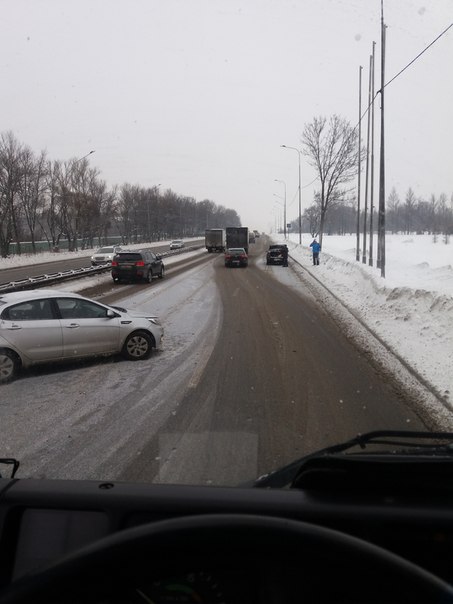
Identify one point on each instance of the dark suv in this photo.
(277, 254)
(137, 265)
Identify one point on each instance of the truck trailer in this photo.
(215, 240)
(237, 237)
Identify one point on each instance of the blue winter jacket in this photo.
(315, 246)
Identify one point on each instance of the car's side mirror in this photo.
(112, 314)
(158, 257)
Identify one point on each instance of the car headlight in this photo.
(154, 320)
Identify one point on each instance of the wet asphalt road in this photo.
(282, 380)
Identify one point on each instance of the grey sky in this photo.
(199, 94)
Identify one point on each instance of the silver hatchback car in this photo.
(41, 325)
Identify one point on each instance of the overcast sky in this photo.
(198, 95)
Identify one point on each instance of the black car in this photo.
(137, 265)
(236, 256)
(277, 254)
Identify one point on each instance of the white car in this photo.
(104, 255)
(177, 244)
(40, 325)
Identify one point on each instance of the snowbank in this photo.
(411, 310)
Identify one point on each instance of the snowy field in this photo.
(411, 310)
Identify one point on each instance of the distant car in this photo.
(104, 255)
(176, 244)
(137, 265)
(39, 326)
(276, 253)
(236, 256)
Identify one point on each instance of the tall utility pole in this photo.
(370, 255)
(300, 194)
(381, 228)
(367, 165)
(284, 207)
(357, 251)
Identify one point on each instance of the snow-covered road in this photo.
(74, 421)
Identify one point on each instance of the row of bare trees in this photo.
(53, 200)
(412, 215)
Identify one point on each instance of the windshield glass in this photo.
(126, 256)
(228, 127)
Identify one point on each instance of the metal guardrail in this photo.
(52, 278)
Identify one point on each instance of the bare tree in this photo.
(410, 203)
(393, 214)
(107, 209)
(332, 149)
(126, 205)
(51, 218)
(10, 176)
(31, 189)
(312, 218)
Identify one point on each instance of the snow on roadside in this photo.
(27, 259)
(411, 310)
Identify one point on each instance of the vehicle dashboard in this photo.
(43, 521)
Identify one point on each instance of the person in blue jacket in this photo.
(316, 248)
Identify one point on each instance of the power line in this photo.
(402, 70)
(387, 84)
(418, 56)
(310, 183)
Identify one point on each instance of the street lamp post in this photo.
(77, 160)
(284, 207)
(300, 202)
(277, 219)
(280, 203)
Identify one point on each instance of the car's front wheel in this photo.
(162, 273)
(138, 346)
(9, 365)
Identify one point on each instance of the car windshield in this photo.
(128, 256)
(323, 127)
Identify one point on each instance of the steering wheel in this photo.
(276, 560)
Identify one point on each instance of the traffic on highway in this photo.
(226, 307)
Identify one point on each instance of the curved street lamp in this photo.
(77, 160)
(284, 206)
(300, 204)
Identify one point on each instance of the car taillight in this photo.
(227, 256)
(114, 263)
(243, 256)
(139, 263)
